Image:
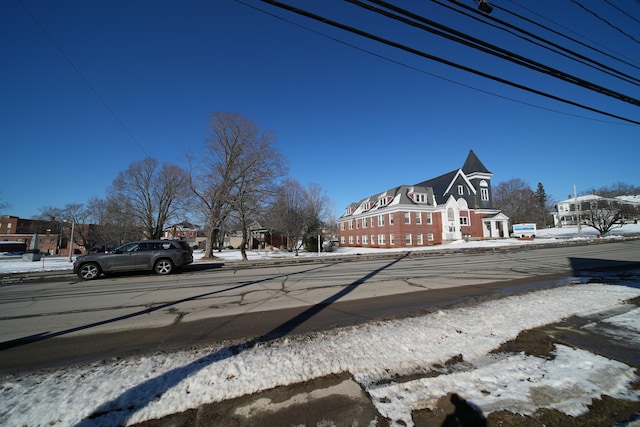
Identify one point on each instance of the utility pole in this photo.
(575, 198)
(73, 226)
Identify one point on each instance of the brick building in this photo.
(450, 207)
(53, 238)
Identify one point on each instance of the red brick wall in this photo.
(399, 229)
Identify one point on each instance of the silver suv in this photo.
(161, 256)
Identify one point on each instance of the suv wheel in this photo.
(89, 271)
(163, 266)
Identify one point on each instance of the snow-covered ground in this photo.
(141, 388)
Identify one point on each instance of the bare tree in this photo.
(73, 216)
(4, 206)
(602, 214)
(318, 207)
(288, 212)
(114, 221)
(614, 190)
(83, 231)
(235, 173)
(261, 165)
(154, 194)
(516, 200)
(299, 213)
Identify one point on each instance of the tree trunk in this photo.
(208, 253)
(243, 245)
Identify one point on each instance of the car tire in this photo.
(89, 271)
(163, 266)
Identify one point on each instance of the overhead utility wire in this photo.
(569, 53)
(589, 46)
(82, 77)
(419, 70)
(438, 59)
(622, 11)
(558, 33)
(605, 21)
(492, 49)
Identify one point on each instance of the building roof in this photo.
(441, 183)
(473, 165)
(438, 187)
(393, 196)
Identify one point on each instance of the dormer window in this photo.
(383, 201)
(366, 206)
(419, 197)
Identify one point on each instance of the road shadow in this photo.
(119, 409)
(589, 265)
(49, 335)
(203, 266)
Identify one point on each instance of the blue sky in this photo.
(87, 88)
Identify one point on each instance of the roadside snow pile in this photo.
(143, 388)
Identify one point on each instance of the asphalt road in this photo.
(62, 321)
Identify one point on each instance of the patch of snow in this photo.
(142, 388)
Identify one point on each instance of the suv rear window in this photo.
(184, 245)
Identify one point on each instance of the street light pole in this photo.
(73, 224)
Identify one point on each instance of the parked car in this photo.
(161, 256)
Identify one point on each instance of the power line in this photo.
(489, 48)
(554, 47)
(591, 41)
(420, 70)
(605, 21)
(438, 59)
(83, 78)
(622, 11)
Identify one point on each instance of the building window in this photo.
(351, 240)
(373, 239)
(365, 240)
(342, 239)
(407, 239)
(419, 240)
(429, 218)
(430, 237)
(392, 239)
(464, 220)
(391, 218)
(358, 239)
(407, 218)
(460, 190)
(351, 225)
(382, 239)
(364, 222)
(380, 220)
(357, 223)
(484, 194)
(418, 217)
(342, 226)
